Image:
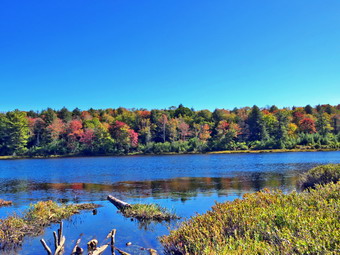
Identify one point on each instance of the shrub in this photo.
(320, 175)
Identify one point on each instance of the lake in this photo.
(187, 184)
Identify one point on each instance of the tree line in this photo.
(176, 129)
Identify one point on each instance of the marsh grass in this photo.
(147, 212)
(265, 222)
(14, 228)
(320, 175)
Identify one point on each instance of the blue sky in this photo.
(156, 54)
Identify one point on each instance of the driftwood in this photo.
(47, 249)
(5, 203)
(76, 249)
(92, 245)
(121, 205)
(59, 242)
(122, 252)
(152, 251)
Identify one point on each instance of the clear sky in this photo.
(160, 53)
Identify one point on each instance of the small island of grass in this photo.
(143, 212)
(14, 228)
(149, 212)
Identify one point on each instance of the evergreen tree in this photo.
(256, 125)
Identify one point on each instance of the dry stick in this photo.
(152, 251)
(61, 246)
(74, 251)
(100, 249)
(113, 235)
(61, 240)
(55, 240)
(113, 241)
(122, 252)
(49, 252)
(60, 231)
(92, 245)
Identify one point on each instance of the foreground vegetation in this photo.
(174, 130)
(14, 228)
(266, 222)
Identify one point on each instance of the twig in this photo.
(48, 250)
(76, 249)
(55, 240)
(122, 252)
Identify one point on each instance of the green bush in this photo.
(264, 223)
(320, 175)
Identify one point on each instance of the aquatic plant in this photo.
(320, 175)
(148, 212)
(14, 228)
(265, 222)
(142, 212)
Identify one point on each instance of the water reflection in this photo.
(177, 188)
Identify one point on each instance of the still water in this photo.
(187, 184)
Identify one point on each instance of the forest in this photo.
(174, 130)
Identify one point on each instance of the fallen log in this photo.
(121, 205)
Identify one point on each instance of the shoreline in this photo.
(169, 153)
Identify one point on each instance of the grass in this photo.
(14, 228)
(5, 203)
(320, 175)
(269, 151)
(169, 153)
(148, 212)
(265, 222)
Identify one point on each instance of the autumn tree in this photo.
(37, 127)
(184, 129)
(307, 125)
(124, 136)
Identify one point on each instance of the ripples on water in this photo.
(186, 183)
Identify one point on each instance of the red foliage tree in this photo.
(88, 137)
(56, 128)
(183, 128)
(307, 125)
(75, 128)
(133, 138)
(204, 132)
(297, 117)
